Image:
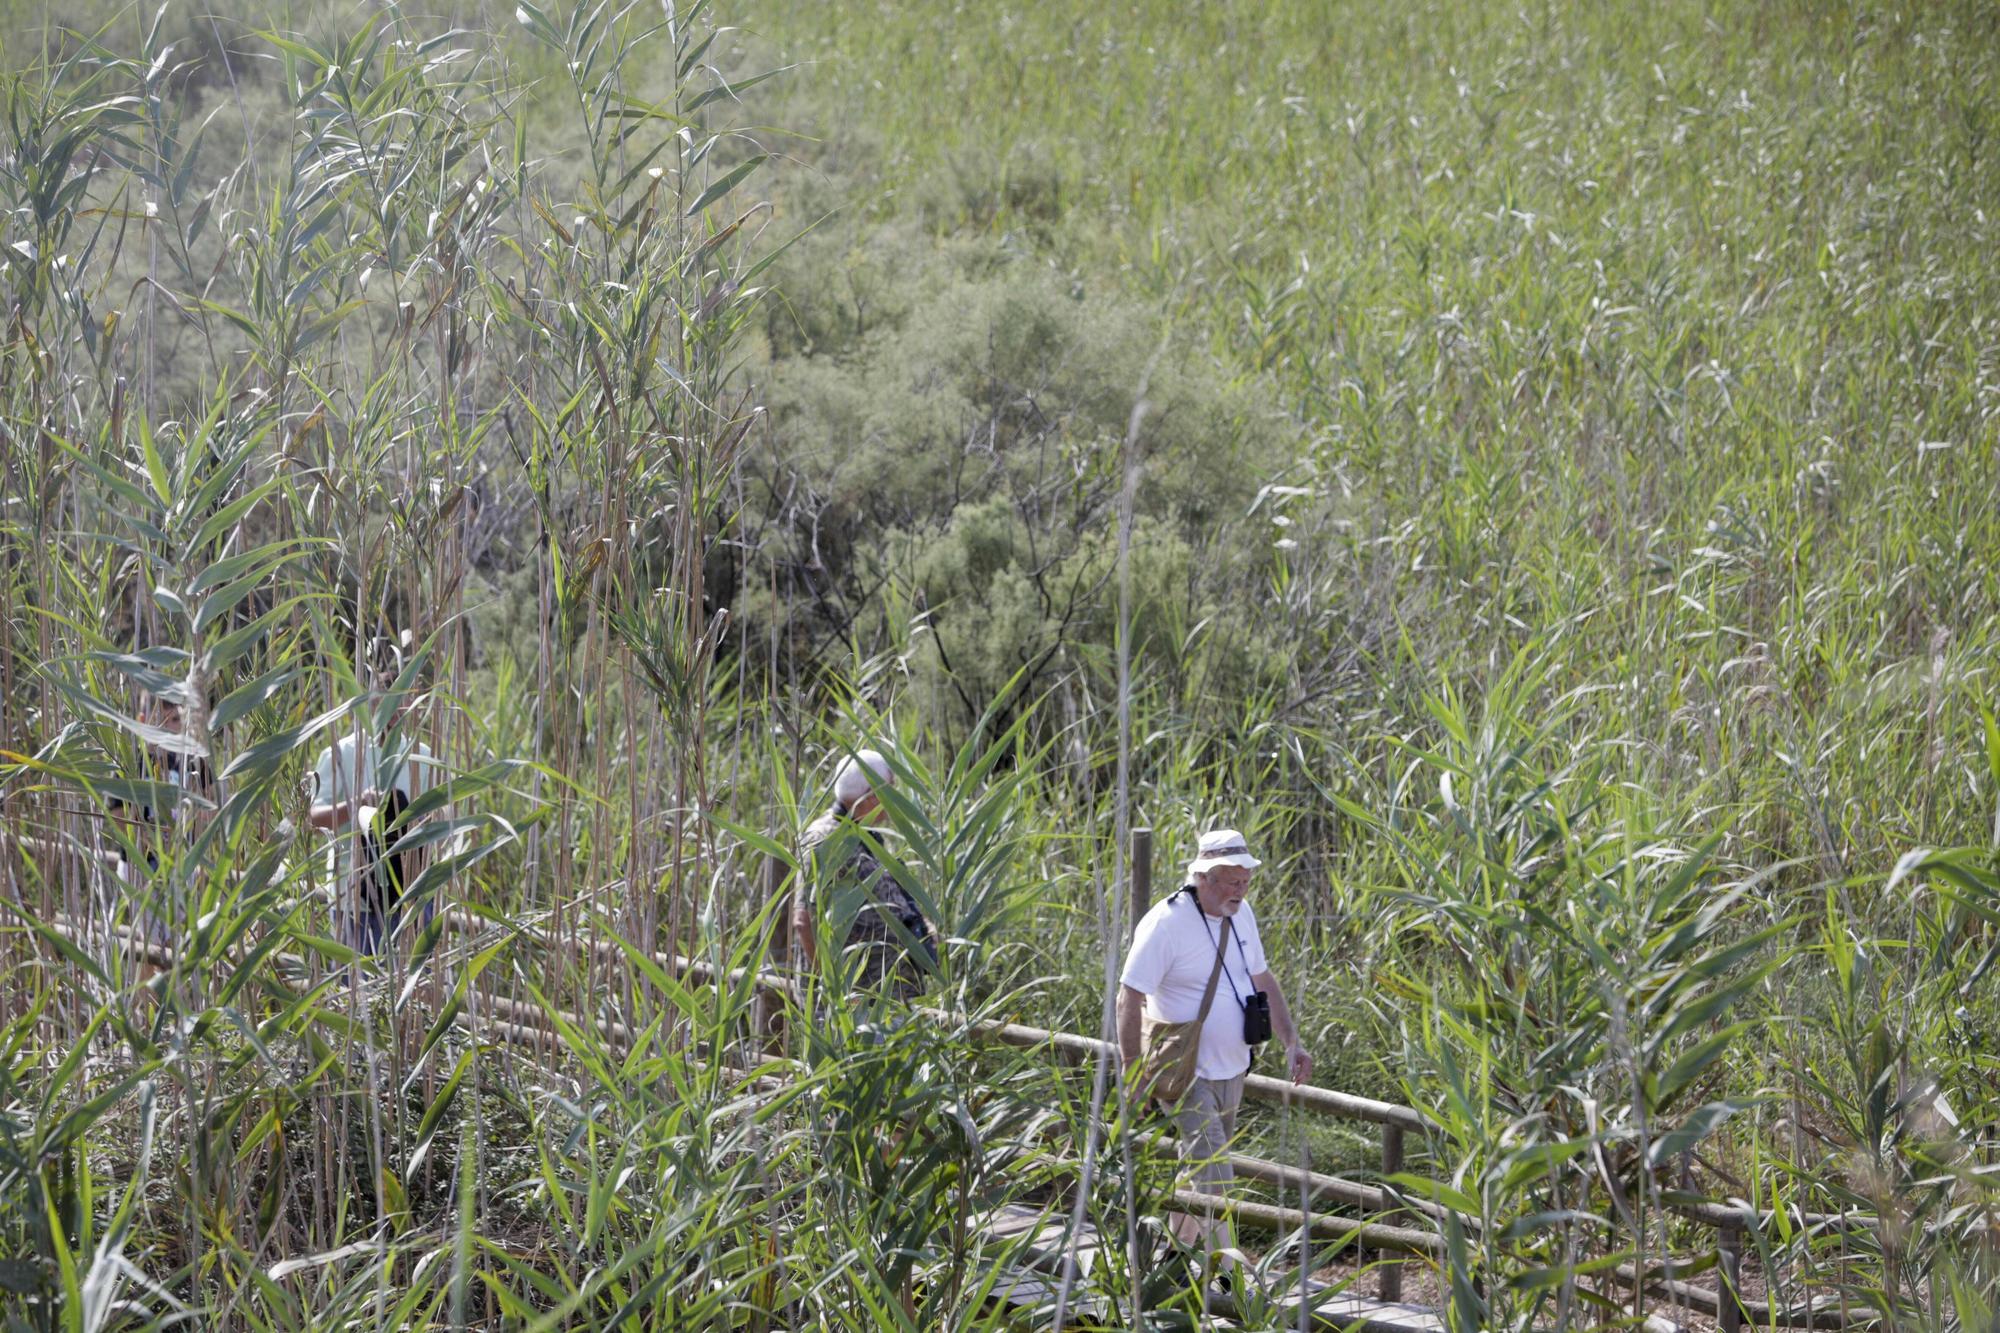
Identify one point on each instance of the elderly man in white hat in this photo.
(841, 859)
(1167, 973)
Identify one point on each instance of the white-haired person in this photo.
(360, 787)
(1204, 933)
(840, 860)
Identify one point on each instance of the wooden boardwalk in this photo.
(1031, 1244)
(1036, 1239)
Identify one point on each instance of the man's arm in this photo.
(1131, 1009)
(1300, 1061)
(330, 815)
(802, 924)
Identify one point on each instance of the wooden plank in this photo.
(1363, 1314)
(1026, 1289)
(1036, 1293)
(1042, 1234)
(1268, 1217)
(771, 983)
(1826, 1312)
(1011, 1219)
(1258, 1087)
(1334, 1307)
(1367, 1198)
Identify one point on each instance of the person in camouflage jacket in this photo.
(840, 859)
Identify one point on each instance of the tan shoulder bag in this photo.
(1167, 1051)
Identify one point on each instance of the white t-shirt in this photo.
(336, 780)
(1172, 954)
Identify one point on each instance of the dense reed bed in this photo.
(1534, 471)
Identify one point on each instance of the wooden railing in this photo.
(516, 1023)
(1394, 1122)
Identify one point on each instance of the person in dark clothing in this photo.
(361, 788)
(840, 860)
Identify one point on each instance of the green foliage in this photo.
(963, 460)
(1564, 541)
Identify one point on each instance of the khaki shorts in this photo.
(1207, 1120)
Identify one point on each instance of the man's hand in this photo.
(1287, 1031)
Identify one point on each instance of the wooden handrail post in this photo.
(1392, 1162)
(780, 951)
(1141, 877)
(1729, 1293)
(767, 1014)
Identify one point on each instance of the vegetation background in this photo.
(1532, 467)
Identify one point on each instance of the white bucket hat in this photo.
(1223, 847)
(859, 774)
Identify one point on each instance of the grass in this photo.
(1562, 536)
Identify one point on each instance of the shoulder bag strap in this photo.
(1214, 973)
(1222, 947)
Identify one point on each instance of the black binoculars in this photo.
(1257, 1018)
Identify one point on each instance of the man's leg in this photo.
(1206, 1117)
(1228, 1098)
